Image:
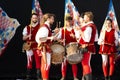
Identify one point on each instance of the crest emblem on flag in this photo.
(71, 10)
(112, 16)
(8, 28)
(37, 9)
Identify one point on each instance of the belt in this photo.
(86, 45)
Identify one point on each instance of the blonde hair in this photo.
(45, 17)
(89, 14)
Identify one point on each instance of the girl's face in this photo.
(81, 20)
(108, 24)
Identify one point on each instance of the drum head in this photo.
(57, 48)
(74, 58)
(72, 48)
(72, 44)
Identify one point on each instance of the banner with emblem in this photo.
(37, 9)
(71, 10)
(8, 28)
(111, 14)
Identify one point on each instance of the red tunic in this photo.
(48, 42)
(33, 32)
(67, 37)
(91, 47)
(109, 43)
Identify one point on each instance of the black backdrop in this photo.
(13, 61)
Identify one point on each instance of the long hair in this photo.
(45, 17)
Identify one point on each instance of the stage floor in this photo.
(55, 72)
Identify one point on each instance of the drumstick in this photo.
(30, 29)
(43, 39)
(59, 24)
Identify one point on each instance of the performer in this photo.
(108, 41)
(86, 40)
(29, 33)
(67, 35)
(80, 25)
(44, 45)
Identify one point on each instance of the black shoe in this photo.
(109, 77)
(88, 76)
(28, 75)
(38, 74)
(106, 78)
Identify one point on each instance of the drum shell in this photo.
(58, 52)
(73, 53)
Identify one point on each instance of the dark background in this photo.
(13, 61)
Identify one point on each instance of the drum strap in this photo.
(86, 45)
(90, 44)
(31, 42)
(42, 45)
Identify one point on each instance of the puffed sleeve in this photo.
(42, 32)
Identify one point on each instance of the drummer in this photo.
(45, 51)
(67, 35)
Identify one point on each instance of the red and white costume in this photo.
(32, 30)
(65, 34)
(108, 41)
(45, 31)
(89, 32)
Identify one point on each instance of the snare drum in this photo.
(73, 54)
(58, 52)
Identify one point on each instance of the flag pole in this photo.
(64, 23)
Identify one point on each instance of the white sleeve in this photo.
(42, 32)
(116, 38)
(87, 34)
(59, 34)
(77, 33)
(96, 36)
(24, 31)
(119, 36)
(101, 37)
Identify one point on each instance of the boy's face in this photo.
(34, 18)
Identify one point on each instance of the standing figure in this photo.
(77, 28)
(29, 33)
(86, 40)
(43, 39)
(66, 36)
(108, 41)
